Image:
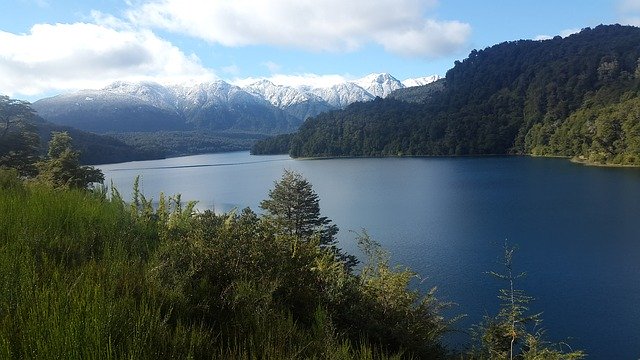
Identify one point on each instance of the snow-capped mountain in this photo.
(341, 95)
(420, 81)
(279, 95)
(337, 96)
(261, 107)
(380, 85)
(216, 93)
(148, 92)
(138, 107)
(298, 102)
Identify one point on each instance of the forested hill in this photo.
(577, 96)
(24, 134)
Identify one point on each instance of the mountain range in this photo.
(259, 108)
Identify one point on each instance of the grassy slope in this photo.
(73, 272)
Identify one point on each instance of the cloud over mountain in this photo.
(86, 55)
(400, 26)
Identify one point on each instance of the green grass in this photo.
(72, 274)
(74, 278)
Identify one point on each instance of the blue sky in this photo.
(50, 46)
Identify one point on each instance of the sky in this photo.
(49, 47)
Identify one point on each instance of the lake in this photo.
(576, 228)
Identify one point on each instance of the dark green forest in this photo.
(574, 97)
(162, 144)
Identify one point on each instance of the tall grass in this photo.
(72, 278)
(74, 285)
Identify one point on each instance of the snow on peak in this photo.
(259, 92)
(379, 84)
(146, 91)
(208, 94)
(278, 95)
(421, 81)
(341, 95)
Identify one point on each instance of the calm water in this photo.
(577, 228)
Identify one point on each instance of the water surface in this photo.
(577, 228)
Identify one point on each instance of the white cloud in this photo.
(81, 55)
(312, 80)
(632, 20)
(318, 25)
(431, 39)
(567, 32)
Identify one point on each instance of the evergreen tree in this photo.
(62, 167)
(295, 208)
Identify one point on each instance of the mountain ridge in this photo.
(260, 107)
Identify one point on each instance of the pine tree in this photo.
(295, 208)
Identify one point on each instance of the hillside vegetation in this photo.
(86, 274)
(574, 97)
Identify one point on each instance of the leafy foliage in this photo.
(521, 97)
(394, 315)
(62, 167)
(89, 275)
(295, 208)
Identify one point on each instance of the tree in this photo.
(295, 208)
(19, 141)
(62, 167)
(507, 335)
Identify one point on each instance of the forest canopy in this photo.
(575, 96)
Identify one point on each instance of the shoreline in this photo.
(573, 159)
(576, 160)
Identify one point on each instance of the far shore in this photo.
(575, 160)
